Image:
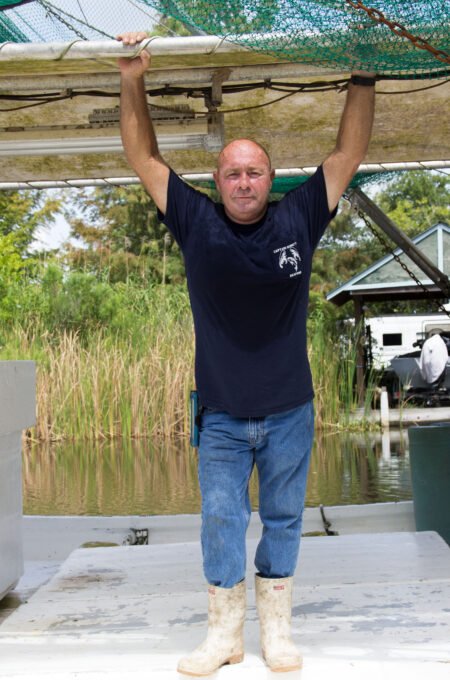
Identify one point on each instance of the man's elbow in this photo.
(346, 162)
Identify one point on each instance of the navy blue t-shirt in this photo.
(248, 287)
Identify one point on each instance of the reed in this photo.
(128, 380)
(131, 379)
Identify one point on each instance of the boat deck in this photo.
(366, 606)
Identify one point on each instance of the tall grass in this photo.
(128, 380)
(333, 362)
(132, 378)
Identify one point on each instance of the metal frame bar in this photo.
(198, 76)
(112, 49)
(77, 183)
(364, 203)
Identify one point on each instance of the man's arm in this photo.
(136, 128)
(352, 141)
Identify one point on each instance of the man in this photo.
(248, 264)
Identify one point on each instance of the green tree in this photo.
(231, 16)
(168, 26)
(416, 200)
(22, 213)
(123, 237)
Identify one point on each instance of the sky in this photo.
(110, 16)
(55, 235)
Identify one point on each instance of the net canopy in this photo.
(278, 78)
(396, 36)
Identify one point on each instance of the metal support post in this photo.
(359, 328)
(362, 201)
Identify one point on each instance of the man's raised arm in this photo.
(353, 138)
(136, 128)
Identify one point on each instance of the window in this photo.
(390, 339)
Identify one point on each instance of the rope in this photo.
(143, 45)
(67, 48)
(216, 47)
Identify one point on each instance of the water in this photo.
(147, 478)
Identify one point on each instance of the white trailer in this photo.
(396, 334)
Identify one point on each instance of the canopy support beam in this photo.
(78, 182)
(360, 344)
(360, 200)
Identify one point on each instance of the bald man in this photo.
(248, 263)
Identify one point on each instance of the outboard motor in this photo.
(433, 360)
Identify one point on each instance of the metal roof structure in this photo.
(51, 91)
(386, 279)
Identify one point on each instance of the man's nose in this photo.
(243, 181)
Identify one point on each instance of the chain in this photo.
(400, 30)
(50, 11)
(388, 249)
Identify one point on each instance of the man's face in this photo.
(244, 180)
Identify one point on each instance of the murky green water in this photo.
(144, 478)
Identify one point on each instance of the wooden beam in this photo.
(360, 342)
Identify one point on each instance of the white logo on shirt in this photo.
(289, 255)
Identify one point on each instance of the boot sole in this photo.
(283, 669)
(232, 660)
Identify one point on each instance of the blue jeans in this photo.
(280, 446)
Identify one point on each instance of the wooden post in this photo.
(360, 339)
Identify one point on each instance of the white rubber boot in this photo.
(274, 604)
(224, 642)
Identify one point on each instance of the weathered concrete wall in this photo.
(17, 411)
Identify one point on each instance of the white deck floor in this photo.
(366, 607)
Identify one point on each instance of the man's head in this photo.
(244, 179)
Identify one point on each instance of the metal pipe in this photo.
(205, 176)
(160, 77)
(88, 145)
(112, 49)
(366, 168)
(199, 76)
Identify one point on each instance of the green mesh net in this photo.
(331, 32)
(281, 185)
(396, 36)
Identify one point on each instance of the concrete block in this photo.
(17, 411)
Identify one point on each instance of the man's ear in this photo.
(216, 180)
(272, 175)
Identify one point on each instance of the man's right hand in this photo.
(134, 67)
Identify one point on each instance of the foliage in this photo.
(343, 251)
(233, 16)
(22, 213)
(416, 201)
(130, 376)
(110, 325)
(123, 238)
(169, 26)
